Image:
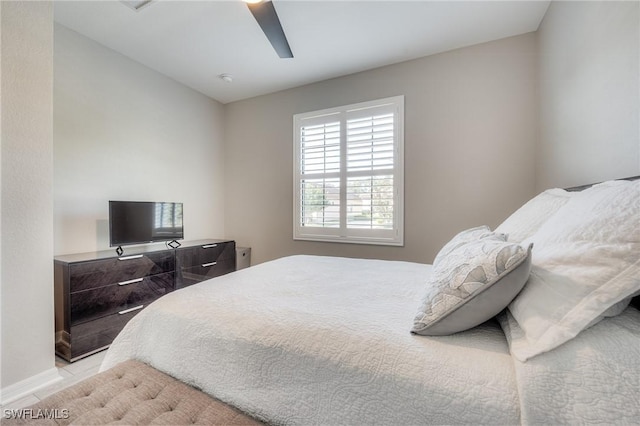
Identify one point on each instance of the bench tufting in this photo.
(131, 393)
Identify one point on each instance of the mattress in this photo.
(324, 340)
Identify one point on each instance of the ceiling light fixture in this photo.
(253, 1)
(227, 78)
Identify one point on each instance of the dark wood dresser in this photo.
(96, 294)
(203, 260)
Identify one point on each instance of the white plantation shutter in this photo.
(370, 142)
(320, 202)
(348, 173)
(320, 148)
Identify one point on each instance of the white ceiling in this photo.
(194, 42)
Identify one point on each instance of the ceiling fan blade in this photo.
(266, 15)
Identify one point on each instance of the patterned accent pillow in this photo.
(472, 284)
(467, 236)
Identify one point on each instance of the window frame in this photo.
(344, 234)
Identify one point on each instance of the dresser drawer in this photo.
(195, 274)
(205, 253)
(95, 303)
(86, 275)
(93, 335)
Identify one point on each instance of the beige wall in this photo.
(27, 204)
(589, 93)
(125, 132)
(470, 131)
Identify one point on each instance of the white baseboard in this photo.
(30, 385)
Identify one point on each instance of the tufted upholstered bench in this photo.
(132, 393)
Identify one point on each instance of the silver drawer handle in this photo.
(137, 280)
(209, 246)
(205, 265)
(135, 256)
(126, 311)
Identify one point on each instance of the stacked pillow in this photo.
(586, 266)
(530, 217)
(474, 277)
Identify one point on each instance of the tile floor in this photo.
(71, 373)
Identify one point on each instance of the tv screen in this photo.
(138, 222)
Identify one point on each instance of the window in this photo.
(349, 173)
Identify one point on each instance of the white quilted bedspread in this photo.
(322, 340)
(592, 379)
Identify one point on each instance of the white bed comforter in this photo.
(592, 379)
(322, 340)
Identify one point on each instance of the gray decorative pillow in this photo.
(473, 283)
(467, 236)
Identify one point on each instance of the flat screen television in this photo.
(139, 222)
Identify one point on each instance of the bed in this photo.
(326, 340)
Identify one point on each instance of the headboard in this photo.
(581, 187)
(636, 300)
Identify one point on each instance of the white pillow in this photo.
(525, 221)
(586, 260)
